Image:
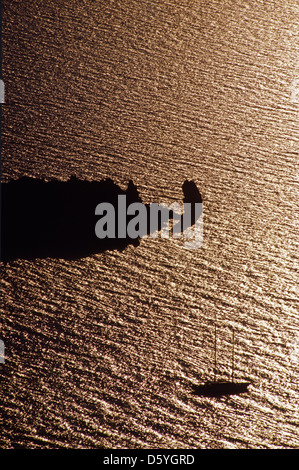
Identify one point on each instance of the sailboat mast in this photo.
(215, 365)
(233, 358)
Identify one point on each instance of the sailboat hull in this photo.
(218, 389)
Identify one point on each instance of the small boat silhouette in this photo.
(220, 388)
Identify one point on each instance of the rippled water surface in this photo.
(103, 351)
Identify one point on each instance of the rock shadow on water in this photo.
(56, 219)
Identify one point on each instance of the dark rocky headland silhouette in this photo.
(57, 219)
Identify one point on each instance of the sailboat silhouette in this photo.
(222, 387)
